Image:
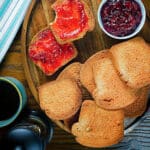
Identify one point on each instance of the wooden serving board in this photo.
(38, 17)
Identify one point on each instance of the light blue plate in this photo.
(12, 13)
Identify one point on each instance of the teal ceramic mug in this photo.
(13, 99)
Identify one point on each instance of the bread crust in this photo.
(39, 64)
(70, 121)
(139, 106)
(98, 127)
(132, 60)
(72, 71)
(110, 92)
(86, 73)
(91, 22)
(60, 99)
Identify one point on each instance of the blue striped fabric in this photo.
(3, 7)
(12, 13)
(138, 139)
(139, 136)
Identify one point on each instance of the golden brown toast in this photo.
(86, 73)
(60, 99)
(132, 60)
(71, 72)
(110, 92)
(98, 127)
(139, 106)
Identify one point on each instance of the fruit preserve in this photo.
(71, 19)
(121, 17)
(48, 54)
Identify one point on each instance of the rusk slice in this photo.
(132, 59)
(60, 99)
(73, 19)
(86, 73)
(111, 92)
(98, 127)
(71, 72)
(139, 106)
(48, 54)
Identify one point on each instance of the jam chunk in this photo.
(48, 54)
(73, 20)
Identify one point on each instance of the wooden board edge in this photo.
(24, 50)
(25, 61)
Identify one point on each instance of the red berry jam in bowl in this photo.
(121, 19)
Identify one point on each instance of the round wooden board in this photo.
(38, 17)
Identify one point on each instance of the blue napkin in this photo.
(12, 13)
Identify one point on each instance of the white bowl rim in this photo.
(138, 29)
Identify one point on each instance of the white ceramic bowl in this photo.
(138, 29)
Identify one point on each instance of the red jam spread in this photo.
(48, 54)
(71, 19)
(121, 17)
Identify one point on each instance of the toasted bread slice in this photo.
(60, 99)
(86, 73)
(72, 71)
(111, 92)
(132, 59)
(98, 127)
(48, 54)
(73, 19)
(139, 106)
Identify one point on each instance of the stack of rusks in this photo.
(118, 81)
